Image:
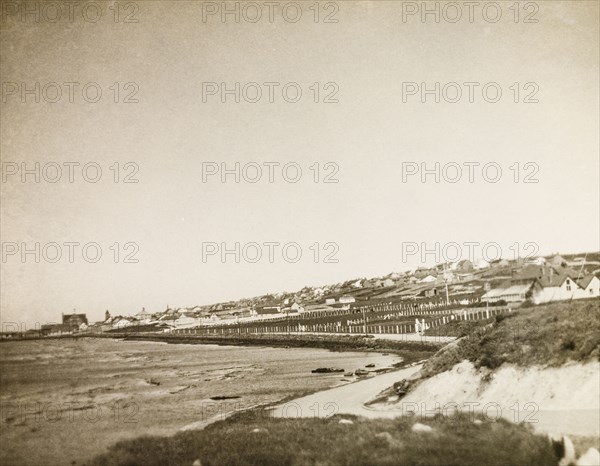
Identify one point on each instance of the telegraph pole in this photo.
(362, 309)
(446, 285)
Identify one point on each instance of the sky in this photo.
(164, 124)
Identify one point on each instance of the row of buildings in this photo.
(544, 283)
(537, 280)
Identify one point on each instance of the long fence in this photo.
(382, 310)
(356, 326)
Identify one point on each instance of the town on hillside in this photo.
(397, 300)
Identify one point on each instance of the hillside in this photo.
(545, 335)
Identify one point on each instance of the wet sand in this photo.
(64, 401)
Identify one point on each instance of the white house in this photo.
(428, 279)
(330, 301)
(388, 282)
(184, 320)
(558, 288)
(122, 323)
(294, 307)
(509, 293)
(143, 316)
(590, 286)
(347, 300)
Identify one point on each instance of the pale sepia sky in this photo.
(369, 133)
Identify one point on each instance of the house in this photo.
(292, 308)
(428, 279)
(543, 284)
(169, 317)
(330, 301)
(143, 316)
(357, 284)
(347, 300)
(185, 320)
(423, 272)
(558, 261)
(201, 312)
(463, 266)
(122, 322)
(387, 283)
(170, 312)
(590, 285)
(74, 320)
(510, 293)
(268, 309)
(265, 313)
(428, 292)
(559, 287)
(241, 312)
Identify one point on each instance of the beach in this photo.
(349, 399)
(66, 400)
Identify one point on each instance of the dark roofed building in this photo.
(585, 281)
(74, 320)
(547, 275)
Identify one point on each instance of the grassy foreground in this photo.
(546, 335)
(251, 439)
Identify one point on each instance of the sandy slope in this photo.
(555, 400)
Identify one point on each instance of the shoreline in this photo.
(334, 341)
(377, 382)
(410, 351)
